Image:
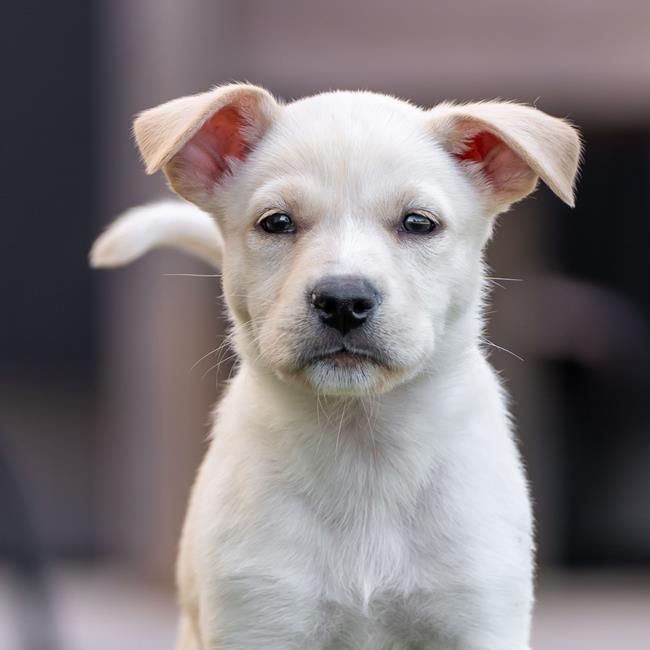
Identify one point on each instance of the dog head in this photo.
(353, 223)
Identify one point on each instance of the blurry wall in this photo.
(583, 270)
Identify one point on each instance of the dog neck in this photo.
(357, 447)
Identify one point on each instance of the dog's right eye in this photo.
(419, 224)
(277, 223)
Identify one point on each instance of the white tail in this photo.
(167, 223)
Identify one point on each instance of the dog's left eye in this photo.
(278, 223)
(418, 224)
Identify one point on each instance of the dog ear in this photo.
(198, 140)
(507, 147)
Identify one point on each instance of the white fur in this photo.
(364, 506)
(164, 223)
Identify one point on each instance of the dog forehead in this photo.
(352, 117)
(349, 139)
(342, 102)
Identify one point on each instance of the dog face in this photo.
(350, 249)
(353, 223)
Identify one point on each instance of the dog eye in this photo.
(278, 223)
(419, 224)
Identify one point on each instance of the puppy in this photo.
(362, 488)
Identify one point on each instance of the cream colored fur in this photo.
(377, 502)
(162, 224)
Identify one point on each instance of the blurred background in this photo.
(102, 420)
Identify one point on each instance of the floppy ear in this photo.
(197, 140)
(507, 147)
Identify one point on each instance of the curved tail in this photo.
(161, 224)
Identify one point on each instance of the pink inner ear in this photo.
(504, 169)
(479, 147)
(205, 157)
(224, 129)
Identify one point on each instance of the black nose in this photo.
(344, 302)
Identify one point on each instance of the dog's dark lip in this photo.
(346, 353)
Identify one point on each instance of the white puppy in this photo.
(362, 488)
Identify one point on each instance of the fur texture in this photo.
(363, 491)
(157, 225)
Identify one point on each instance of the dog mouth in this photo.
(350, 367)
(346, 358)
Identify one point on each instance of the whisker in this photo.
(370, 427)
(205, 356)
(338, 434)
(498, 347)
(219, 363)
